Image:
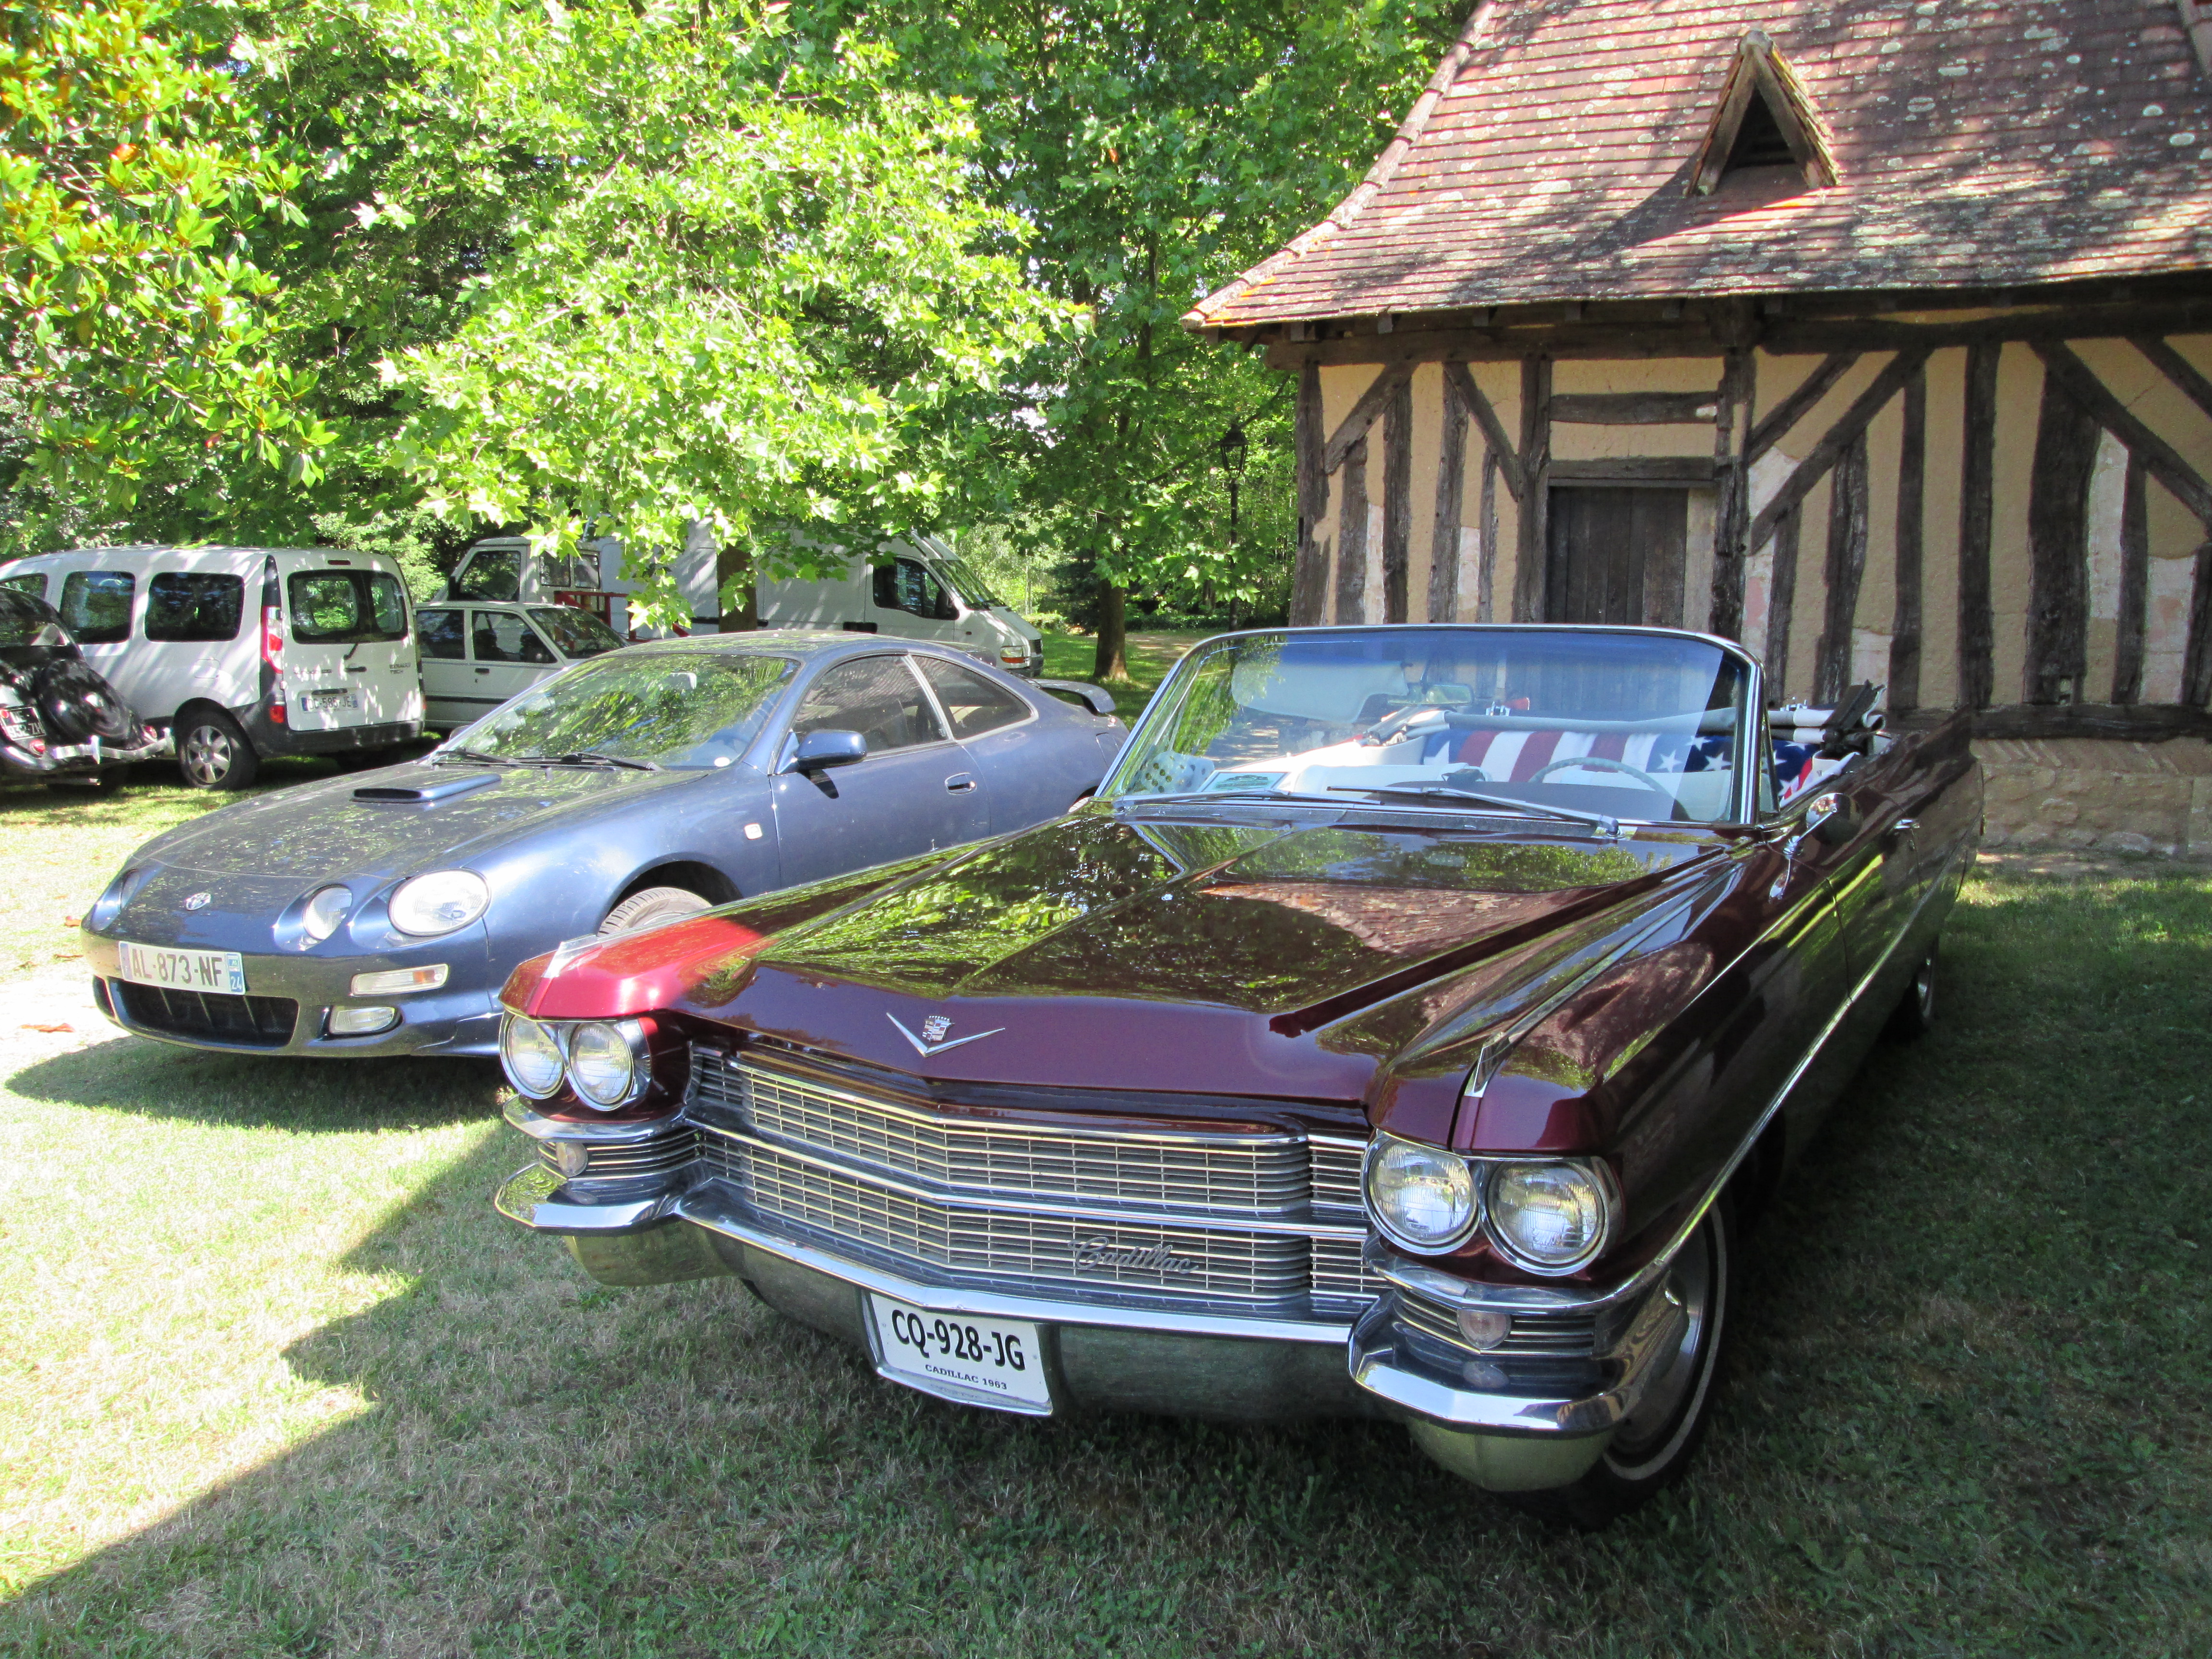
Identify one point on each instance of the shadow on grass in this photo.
(197, 1085)
(1959, 1417)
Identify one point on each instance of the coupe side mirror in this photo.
(818, 751)
(1829, 819)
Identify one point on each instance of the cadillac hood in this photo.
(1282, 960)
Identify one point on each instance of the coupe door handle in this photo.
(959, 784)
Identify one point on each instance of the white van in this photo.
(243, 652)
(917, 589)
(913, 588)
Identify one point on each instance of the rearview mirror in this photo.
(1829, 819)
(818, 751)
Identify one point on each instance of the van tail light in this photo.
(272, 636)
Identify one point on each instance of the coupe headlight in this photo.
(439, 902)
(326, 908)
(1549, 1218)
(605, 1068)
(1423, 1197)
(530, 1057)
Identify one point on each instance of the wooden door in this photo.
(1617, 556)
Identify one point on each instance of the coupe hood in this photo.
(320, 832)
(1165, 956)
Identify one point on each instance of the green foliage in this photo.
(135, 348)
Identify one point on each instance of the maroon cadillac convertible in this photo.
(1408, 1029)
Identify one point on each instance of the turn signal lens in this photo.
(439, 902)
(326, 908)
(1423, 1197)
(530, 1057)
(1548, 1217)
(603, 1065)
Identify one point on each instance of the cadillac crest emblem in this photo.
(933, 1039)
(934, 1028)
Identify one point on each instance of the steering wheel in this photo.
(1599, 763)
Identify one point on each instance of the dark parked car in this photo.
(60, 721)
(377, 914)
(1405, 1031)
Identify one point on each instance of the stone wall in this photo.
(2095, 793)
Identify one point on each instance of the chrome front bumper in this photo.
(1397, 1360)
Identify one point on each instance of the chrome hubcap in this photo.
(207, 755)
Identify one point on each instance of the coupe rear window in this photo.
(96, 606)
(343, 607)
(33, 584)
(191, 605)
(675, 709)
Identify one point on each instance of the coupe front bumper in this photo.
(1529, 1416)
(289, 1000)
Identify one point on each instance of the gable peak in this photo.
(1764, 117)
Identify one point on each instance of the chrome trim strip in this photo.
(1464, 1293)
(539, 1127)
(976, 1200)
(1015, 1125)
(719, 1212)
(531, 1196)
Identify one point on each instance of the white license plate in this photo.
(978, 1362)
(343, 698)
(183, 971)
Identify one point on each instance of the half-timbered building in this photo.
(1875, 334)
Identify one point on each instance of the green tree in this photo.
(135, 355)
(1154, 148)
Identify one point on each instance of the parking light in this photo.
(364, 1021)
(392, 982)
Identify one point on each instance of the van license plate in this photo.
(978, 1362)
(343, 698)
(222, 971)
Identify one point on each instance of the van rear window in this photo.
(183, 604)
(96, 606)
(346, 606)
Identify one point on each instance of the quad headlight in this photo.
(427, 906)
(1421, 1197)
(608, 1063)
(531, 1056)
(1549, 1216)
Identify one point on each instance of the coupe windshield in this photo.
(1582, 722)
(690, 709)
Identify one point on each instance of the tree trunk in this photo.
(1113, 660)
(733, 564)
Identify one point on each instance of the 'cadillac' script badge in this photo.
(932, 1040)
(199, 901)
(1153, 1258)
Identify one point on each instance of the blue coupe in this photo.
(379, 913)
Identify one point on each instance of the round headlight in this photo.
(602, 1066)
(1422, 1196)
(530, 1057)
(326, 908)
(440, 902)
(1548, 1217)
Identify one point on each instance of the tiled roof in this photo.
(1980, 144)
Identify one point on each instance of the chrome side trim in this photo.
(955, 1198)
(720, 1212)
(1460, 1293)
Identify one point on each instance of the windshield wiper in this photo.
(1193, 796)
(588, 757)
(1610, 827)
(475, 755)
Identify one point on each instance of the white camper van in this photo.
(915, 588)
(243, 652)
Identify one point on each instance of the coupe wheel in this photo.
(213, 753)
(1916, 1009)
(653, 907)
(1656, 1441)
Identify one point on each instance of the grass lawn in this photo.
(1151, 654)
(273, 1379)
